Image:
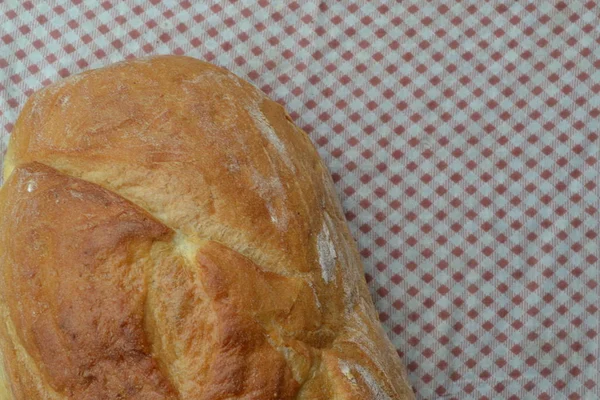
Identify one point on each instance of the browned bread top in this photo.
(166, 232)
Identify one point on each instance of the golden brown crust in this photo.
(167, 232)
(74, 292)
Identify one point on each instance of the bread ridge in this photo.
(286, 312)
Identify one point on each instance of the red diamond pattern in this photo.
(462, 137)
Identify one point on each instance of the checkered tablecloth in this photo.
(463, 138)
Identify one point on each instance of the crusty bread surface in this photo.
(167, 232)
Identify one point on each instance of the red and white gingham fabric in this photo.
(463, 138)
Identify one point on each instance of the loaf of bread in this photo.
(167, 232)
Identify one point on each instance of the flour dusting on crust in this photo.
(31, 185)
(263, 125)
(314, 290)
(273, 194)
(326, 250)
(370, 381)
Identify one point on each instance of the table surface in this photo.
(462, 137)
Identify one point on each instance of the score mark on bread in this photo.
(166, 232)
